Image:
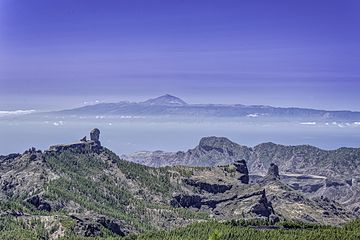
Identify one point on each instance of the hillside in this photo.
(333, 174)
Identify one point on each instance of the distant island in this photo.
(173, 107)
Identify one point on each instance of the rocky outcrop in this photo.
(308, 188)
(86, 227)
(263, 207)
(243, 170)
(273, 172)
(253, 204)
(335, 182)
(208, 187)
(23, 175)
(90, 225)
(39, 203)
(186, 201)
(82, 146)
(114, 226)
(9, 157)
(95, 135)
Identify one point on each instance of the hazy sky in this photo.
(60, 53)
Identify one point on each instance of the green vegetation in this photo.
(235, 230)
(11, 228)
(156, 179)
(212, 230)
(85, 180)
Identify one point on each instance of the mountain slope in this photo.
(315, 172)
(84, 189)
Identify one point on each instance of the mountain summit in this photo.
(167, 100)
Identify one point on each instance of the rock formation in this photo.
(208, 187)
(82, 146)
(243, 170)
(263, 207)
(95, 135)
(186, 201)
(91, 225)
(273, 172)
(39, 203)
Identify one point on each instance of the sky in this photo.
(62, 53)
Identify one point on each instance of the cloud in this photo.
(15, 112)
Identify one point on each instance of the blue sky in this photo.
(60, 53)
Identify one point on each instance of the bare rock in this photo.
(241, 168)
(95, 135)
(208, 187)
(112, 225)
(91, 225)
(263, 207)
(39, 203)
(273, 172)
(86, 228)
(186, 201)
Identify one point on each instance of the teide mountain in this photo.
(166, 100)
(171, 106)
(84, 189)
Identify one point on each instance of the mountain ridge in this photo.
(172, 106)
(227, 149)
